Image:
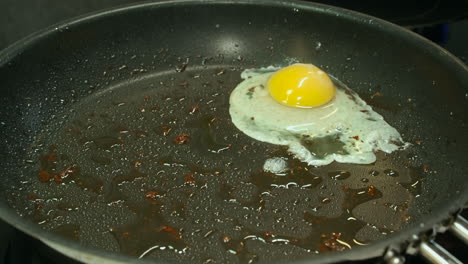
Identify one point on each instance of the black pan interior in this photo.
(96, 100)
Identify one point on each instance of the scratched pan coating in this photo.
(122, 140)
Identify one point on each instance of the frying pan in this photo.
(95, 111)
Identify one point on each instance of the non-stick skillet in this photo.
(115, 133)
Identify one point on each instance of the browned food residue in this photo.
(182, 139)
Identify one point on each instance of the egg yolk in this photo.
(301, 86)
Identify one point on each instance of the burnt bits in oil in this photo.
(155, 167)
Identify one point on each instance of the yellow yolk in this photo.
(301, 85)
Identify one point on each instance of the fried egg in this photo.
(320, 120)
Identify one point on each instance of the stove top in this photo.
(443, 22)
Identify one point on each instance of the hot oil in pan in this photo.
(155, 167)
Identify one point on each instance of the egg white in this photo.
(347, 119)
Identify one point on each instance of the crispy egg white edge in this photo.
(379, 135)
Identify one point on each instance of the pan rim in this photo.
(375, 249)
